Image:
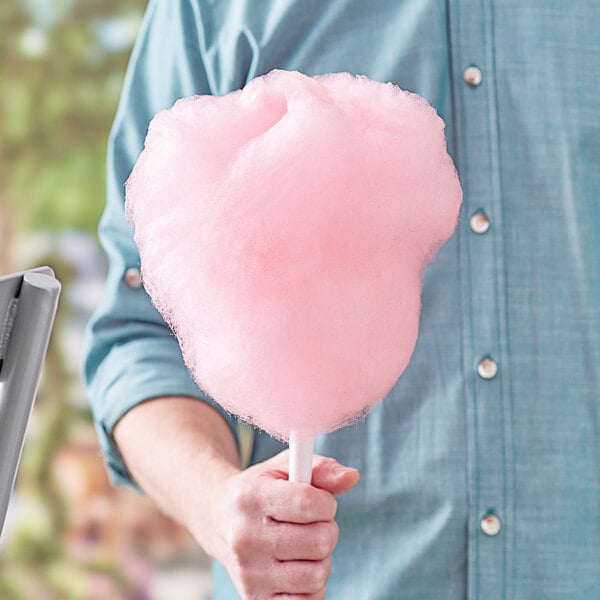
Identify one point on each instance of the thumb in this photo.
(328, 474)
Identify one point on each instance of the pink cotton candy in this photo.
(283, 231)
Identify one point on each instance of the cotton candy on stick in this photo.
(283, 231)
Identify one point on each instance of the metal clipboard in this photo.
(28, 302)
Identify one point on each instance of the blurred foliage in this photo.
(60, 80)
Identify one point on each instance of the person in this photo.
(480, 472)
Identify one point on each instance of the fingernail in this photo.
(344, 470)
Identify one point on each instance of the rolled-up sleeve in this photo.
(130, 353)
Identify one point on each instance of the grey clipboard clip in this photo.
(28, 302)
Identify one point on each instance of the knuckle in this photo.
(329, 507)
(316, 579)
(320, 574)
(322, 544)
(241, 497)
(334, 532)
(322, 461)
(313, 579)
(334, 506)
(304, 503)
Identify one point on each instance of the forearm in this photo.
(180, 451)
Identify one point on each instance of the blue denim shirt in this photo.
(481, 469)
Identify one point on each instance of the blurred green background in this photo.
(69, 535)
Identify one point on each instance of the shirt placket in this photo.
(484, 326)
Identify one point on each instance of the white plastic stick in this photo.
(301, 453)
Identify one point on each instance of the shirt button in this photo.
(491, 524)
(487, 368)
(473, 76)
(133, 278)
(479, 222)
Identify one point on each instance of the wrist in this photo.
(182, 454)
(206, 514)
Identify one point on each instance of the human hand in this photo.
(275, 537)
